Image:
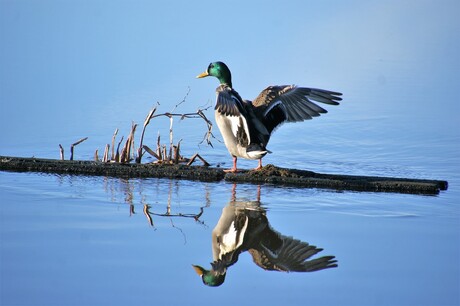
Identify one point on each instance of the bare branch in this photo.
(192, 160)
(75, 144)
(183, 100)
(151, 152)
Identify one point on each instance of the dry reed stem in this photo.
(126, 151)
(75, 144)
(165, 157)
(61, 151)
(105, 158)
(117, 155)
(159, 147)
(146, 122)
(171, 120)
(112, 157)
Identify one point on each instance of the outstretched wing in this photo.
(289, 103)
(292, 255)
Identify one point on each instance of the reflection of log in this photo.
(268, 175)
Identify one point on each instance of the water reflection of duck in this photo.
(246, 126)
(243, 226)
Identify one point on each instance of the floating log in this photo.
(308, 179)
(124, 170)
(268, 175)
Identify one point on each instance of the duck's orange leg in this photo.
(234, 169)
(259, 167)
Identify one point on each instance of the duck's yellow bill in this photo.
(199, 270)
(202, 75)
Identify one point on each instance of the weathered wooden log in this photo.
(125, 170)
(293, 177)
(268, 175)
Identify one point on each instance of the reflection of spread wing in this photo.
(291, 255)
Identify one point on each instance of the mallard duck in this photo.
(243, 226)
(247, 126)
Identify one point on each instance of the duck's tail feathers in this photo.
(256, 151)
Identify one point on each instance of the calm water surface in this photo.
(74, 240)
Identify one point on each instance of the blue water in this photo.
(74, 70)
(82, 240)
(76, 240)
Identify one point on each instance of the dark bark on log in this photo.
(200, 173)
(308, 179)
(268, 175)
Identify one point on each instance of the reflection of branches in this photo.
(194, 216)
(180, 230)
(148, 214)
(133, 193)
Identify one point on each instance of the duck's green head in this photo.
(220, 71)
(212, 278)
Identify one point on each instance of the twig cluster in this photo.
(169, 154)
(172, 155)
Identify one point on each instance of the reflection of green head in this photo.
(211, 277)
